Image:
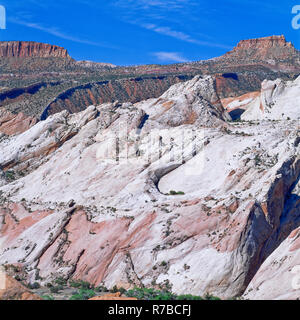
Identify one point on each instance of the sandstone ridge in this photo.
(24, 49)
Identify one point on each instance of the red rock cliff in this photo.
(267, 42)
(9, 49)
(274, 50)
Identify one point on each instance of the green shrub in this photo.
(210, 297)
(163, 264)
(33, 286)
(152, 294)
(101, 289)
(83, 294)
(114, 289)
(10, 175)
(61, 281)
(56, 289)
(79, 284)
(175, 193)
(47, 297)
(188, 297)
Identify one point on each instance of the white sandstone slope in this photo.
(160, 193)
(192, 102)
(279, 100)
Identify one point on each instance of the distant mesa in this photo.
(273, 47)
(31, 49)
(269, 42)
(23, 49)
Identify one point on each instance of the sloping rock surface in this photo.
(163, 192)
(278, 100)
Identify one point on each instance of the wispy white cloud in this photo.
(169, 57)
(56, 32)
(167, 31)
(166, 17)
(159, 4)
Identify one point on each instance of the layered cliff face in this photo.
(25, 49)
(131, 90)
(165, 192)
(273, 51)
(262, 46)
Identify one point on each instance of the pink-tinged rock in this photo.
(11, 289)
(12, 124)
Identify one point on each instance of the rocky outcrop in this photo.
(273, 51)
(236, 106)
(11, 124)
(278, 100)
(11, 289)
(37, 143)
(263, 44)
(24, 49)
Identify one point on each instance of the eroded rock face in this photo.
(236, 106)
(277, 100)
(11, 124)
(272, 51)
(11, 289)
(22, 152)
(22, 49)
(163, 192)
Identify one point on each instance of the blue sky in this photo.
(129, 32)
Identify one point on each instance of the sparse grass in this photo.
(175, 193)
(47, 297)
(152, 294)
(79, 284)
(10, 175)
(83, 294)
